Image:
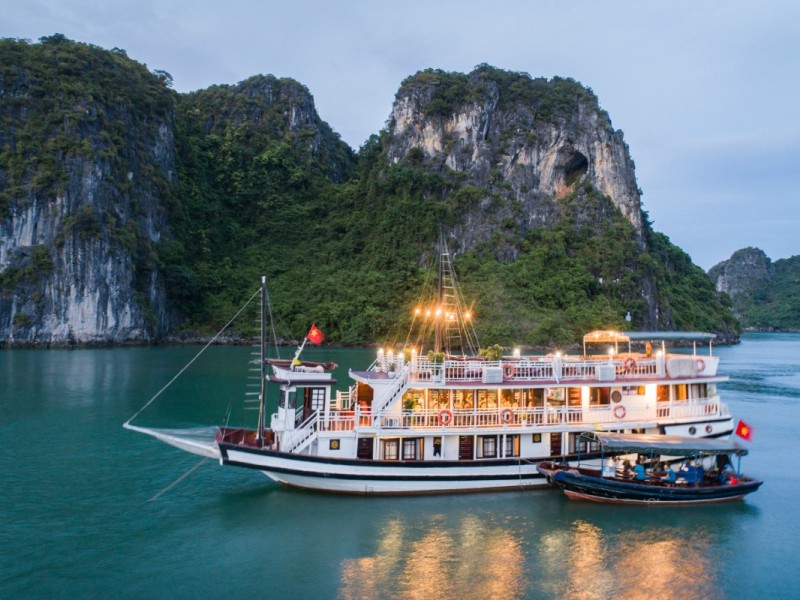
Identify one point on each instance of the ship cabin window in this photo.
(288, 400)
(391, 449)
(574, 396)
(576, 444)
(402, 449)
(681, 391)
(512, 445)
(317, 397)
(462, 399)
(411, 448)
(364, 394)
(662, 393)
(529, 398)
(698, 390)
(487, 446)
(508, 399)
(599, 396)
(487, 400)
(632, 390)
(555, 396)
(439, 399)
(413, 399)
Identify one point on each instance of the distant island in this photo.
(765, 295)
(130, 213)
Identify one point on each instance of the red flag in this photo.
(315, 336)
(744, 431)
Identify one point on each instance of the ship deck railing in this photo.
(520, 418)
(552, 368)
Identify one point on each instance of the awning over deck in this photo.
(662, 444)
(668, 336)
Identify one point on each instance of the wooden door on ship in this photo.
(313, 401)
(365, 448)
(555, 444)
(466, 447)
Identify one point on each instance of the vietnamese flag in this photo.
(315, 336)
(744, 431)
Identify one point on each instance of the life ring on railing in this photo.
(508, 371)
(630, 364)
(445, 417)
(506, 415)
(701, 365)
(619, 411)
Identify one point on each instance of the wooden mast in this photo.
(263, 361)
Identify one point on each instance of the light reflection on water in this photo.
(479, 558)
(473, 559)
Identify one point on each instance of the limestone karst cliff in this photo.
(765, 295)
(87, 158)
(129, 212)
(524, 142)
(523, 162)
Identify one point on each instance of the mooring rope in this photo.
(211, 341)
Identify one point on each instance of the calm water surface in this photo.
(75, 520)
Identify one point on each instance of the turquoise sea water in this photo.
(75, 520)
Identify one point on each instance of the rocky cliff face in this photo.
(526, 143)
(113, 189)
(515, 148)
(87, 163)
(744, 272)
(765, 295)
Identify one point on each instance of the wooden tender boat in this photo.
(704, 475)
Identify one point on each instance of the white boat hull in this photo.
(382, 477)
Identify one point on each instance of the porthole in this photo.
(708, 428)
(616, 396)
(692, 430)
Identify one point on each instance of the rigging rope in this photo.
(211, 341)
(178, 480)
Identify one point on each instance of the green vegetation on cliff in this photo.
(776, 303)
(549, 99)
(254, 197)
(63, 99)
(353, 256)
(263, 186)
(765, 294)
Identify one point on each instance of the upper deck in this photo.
(533, 370)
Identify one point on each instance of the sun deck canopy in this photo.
(667, 336)
(662, 444)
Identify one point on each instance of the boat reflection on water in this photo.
(479, 558)
(657, 562)
(439, 560)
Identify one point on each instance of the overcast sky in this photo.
(707, 93)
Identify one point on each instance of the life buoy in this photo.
(619, 411)
(445, 417)
(508, 371)
(630, 364)
(701, 365)
(506, 415)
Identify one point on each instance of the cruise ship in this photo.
(451, 417)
